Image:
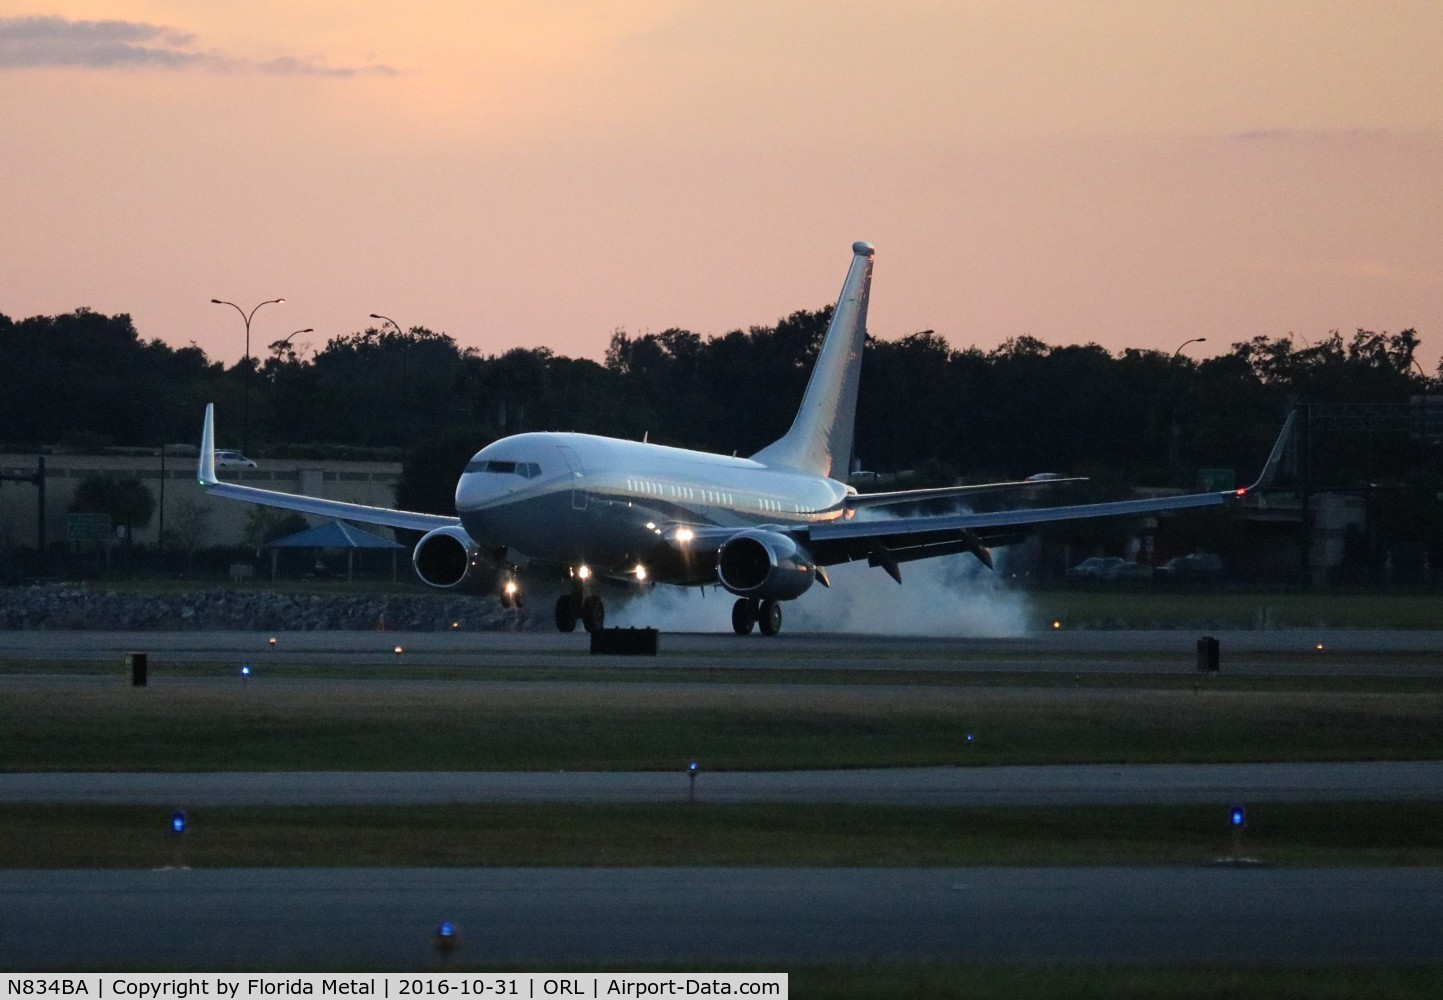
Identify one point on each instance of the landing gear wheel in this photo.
(744, 616)
(593, 614)
(769, 617)
(567, 611)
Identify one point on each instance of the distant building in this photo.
(371, 483)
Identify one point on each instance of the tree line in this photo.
(85, 380)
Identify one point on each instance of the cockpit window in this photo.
(529, 470)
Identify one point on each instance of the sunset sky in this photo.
(539, 172)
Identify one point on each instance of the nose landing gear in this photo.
(511, 594)
(574, 607)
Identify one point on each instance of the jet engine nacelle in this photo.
(765, 565)
(448, 558)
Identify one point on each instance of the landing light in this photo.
(685, 535)
(510, 589)
(583, 572)
(640, 571)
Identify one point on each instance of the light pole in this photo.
(405, 413)
(391, 321)
(1175, 430)
(1195, 340)
(280, 345)
(161, 416)
(246, 425)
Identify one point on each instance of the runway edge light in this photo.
(448, 938)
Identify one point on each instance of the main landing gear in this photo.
(573, 607)
(747, 612)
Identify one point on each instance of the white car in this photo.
(1109, 568)
(233, 459)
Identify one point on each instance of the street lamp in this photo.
(1174, 430)
(405, 413)
(246, 425)
(1195, 340)
(280, 345)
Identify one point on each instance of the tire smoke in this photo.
(950, 596)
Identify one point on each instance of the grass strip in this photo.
(438, 726)
(685, 834)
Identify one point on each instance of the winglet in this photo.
(205, 471)
(1275, 458)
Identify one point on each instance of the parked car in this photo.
(233, 459)
(1197, 566)
(1095, 568)
(1100, 568)
(1133, 571)
(1107, 568)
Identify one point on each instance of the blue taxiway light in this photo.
(177, 823)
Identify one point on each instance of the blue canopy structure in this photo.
(335, 535)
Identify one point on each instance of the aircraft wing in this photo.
(886, 542)
(889, 541)
(307, 505)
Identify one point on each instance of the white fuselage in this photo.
(613, 505)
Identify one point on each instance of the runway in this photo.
(360, 919)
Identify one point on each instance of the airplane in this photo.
(764, 528)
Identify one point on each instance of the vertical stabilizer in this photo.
(820, 440)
